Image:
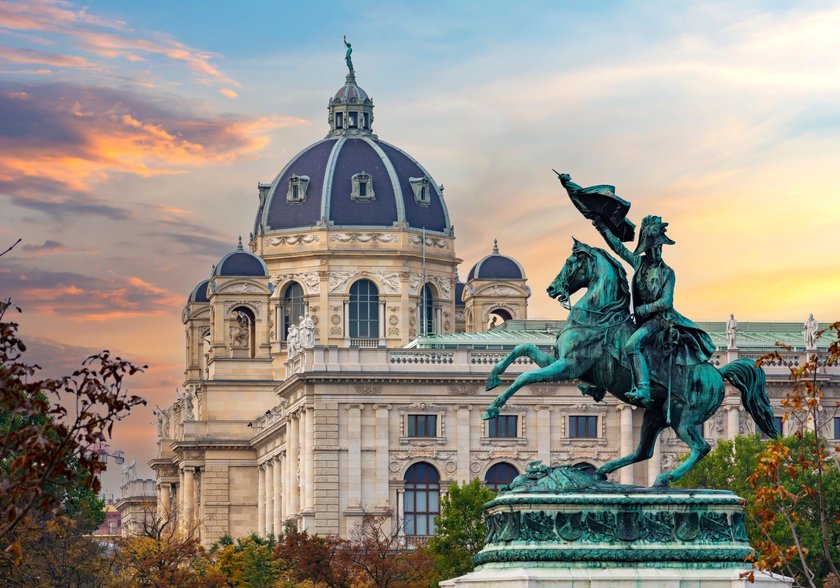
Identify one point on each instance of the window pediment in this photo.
(297, 189)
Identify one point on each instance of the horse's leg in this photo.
(699, 448)
(559, 370)
(652, 424)
(539, 357)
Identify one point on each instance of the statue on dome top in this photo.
(347, 55)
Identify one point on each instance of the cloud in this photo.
(49, 246)
(58, 140)
(79, 296)
(30, 56)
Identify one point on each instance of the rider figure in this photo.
(653, 299)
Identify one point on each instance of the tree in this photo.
(47, 459)
(382, 559)
(248, 562)
(797, 491)
(460, 528)
(319, 560)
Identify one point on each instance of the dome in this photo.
(459, 293)
(352, 179)
(199, 293)
(496, 267)
(241, 263)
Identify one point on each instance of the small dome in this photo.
(496, 267)
(350, 92)
(199, 293)
(241, 263)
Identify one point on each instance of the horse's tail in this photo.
(750, 380)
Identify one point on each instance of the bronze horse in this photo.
(589, 348)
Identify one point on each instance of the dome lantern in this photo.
(350, 111)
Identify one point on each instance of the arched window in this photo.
(293, 306)
(364, 310)
(427, 311)
(500, 475)
(241, 332)
(422, 497)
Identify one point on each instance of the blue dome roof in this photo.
(328, 167)
(199, 293)
(241, 263)
(496, 267)
(459, 293)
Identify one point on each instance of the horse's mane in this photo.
(623, 284)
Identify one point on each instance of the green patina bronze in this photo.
(564, 515)
(347, 55)
(652, 358)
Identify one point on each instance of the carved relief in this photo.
(444, 285)
(364, 237)
(367, 388)
(430, 241)
(338, 280)
(335, 319)
(496, 290)
(393, 319)
(255, 307)
(294, 240)
(463, 389)
(335, 331)
(309, 279)
(393, 331)
(242, 288)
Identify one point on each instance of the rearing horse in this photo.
(589, 348)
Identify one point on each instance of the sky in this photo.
(133, 136)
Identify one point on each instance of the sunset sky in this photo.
(133, 135)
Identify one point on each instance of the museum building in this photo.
(335, 366)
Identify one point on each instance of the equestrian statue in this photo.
(653, 357)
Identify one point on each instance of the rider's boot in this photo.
(641, 376)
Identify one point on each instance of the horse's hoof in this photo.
(491, 413)
(492, 381)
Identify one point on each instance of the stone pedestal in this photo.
(563, 527)
(558, 576)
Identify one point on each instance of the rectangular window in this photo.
(339, 120)
(352, 118)
(502, 426)
(366, 119)
(422, 425)
(837, 427)
(362, 189)
(583, 427)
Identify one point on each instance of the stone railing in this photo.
(419, 356)
(364, 343)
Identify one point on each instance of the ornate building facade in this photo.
(336, 366)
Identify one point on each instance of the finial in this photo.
(495, 247)
(239, 245)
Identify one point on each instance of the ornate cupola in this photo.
(351, 109)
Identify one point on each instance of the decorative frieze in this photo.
(364, 237)
(310, 280)
(294, 239)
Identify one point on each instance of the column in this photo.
(626, 441)
(163, 502)
(354, 455)
(400, 512)
(382, 450)
(732, 422)
(269, 498)
(292, 466)
(189, 499)
(463, 429)
(655, 462)
(181, 505)
(346, 321)
(309, 458)
(543, 434)
(301, 460)
(260, 501)
(382, 323)
(277, 514)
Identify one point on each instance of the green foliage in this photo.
(249, 562)
(731, 464)
(460, 528)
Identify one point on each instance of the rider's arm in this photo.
(616, 244)
(663, 303)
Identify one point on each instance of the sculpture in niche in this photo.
(188, 407)
(240, 332)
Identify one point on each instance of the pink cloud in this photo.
(30, 56)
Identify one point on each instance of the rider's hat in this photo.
(651, 234)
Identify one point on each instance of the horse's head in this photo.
(576, 273)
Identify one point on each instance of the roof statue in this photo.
(347, 58)
(809, 329)
(731, 332)
(654, 358)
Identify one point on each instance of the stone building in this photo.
(336, 365)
